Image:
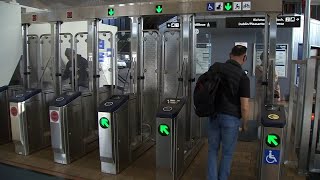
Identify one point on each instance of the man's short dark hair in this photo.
(238, 50)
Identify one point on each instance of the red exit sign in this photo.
(34, 17)
(69, 15)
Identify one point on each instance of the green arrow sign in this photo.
(164, 130)
(273, 140)
(104, 123)
(159, 9)
(111, 12)
(228, 6)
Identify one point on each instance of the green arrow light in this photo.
(159, 9)
(164, 130)
(104, 122)
(228, 6)
(111, 12)
(273, 140)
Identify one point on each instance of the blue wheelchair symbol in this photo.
(210, 7)
(271, 156)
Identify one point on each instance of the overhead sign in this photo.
(271, 156)
(237, 6)
(205, 25)
(246, 6)
(34, 17)
(219, 6)
(173, 25)
(258, 22)
(69, 14)
(104, 123)
(273, 116)
(210, 7)
(164, 130)
(111, 12)
(159, 9)
(273, 140)
(228, 6)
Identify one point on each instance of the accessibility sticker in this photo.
(271, 156)
(273, 116)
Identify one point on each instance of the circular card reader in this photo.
(19, 95)
(108, 104)
(167, 109)
(60, 99)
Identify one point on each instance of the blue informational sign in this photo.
(210, 7)
(109, 52)
(271, 156)
(101, 44)
(101, 56)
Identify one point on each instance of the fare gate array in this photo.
(30, 130)
(272, 142)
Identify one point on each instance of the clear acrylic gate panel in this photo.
(83, 72)
(171, 66)
(33, 44)
(66, 61)
(151, 82)
(106, 52)
(124, 60)
(47, 62)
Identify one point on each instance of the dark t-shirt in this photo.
(235, 84)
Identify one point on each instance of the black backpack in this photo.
(206, 91)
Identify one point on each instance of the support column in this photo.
(306, 31)
(137, 72)
(272, 57)
(25, 57)
(186, 66)
(93, 62)
(265, 61)
(57, 58)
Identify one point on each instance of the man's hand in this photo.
(245, 126)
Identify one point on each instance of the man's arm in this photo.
(244, 93)
(245, 110)
(67, 72)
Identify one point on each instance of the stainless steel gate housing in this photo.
(113, 119)
(5, 129)
(28, 122)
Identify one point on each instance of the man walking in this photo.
(232, 104)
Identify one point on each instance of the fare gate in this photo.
(30, 130)
(272, 143)
(114, 134)
(173, 155)
(66, 123)
(5, 129)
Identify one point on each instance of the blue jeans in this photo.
(222, 129)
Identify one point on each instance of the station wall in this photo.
(10, 44)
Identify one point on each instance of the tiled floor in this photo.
(244, 165)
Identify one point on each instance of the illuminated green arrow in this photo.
(164, 130)
(159, 9)
(228, 6)
(104, 122)
(273, 140)
(111, 12)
